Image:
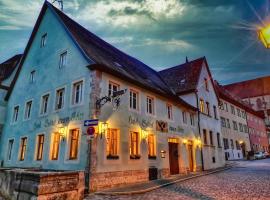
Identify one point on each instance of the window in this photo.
(15, 114)
(232, 110)
(151, 146)
(10, 146)
(32, 76)
(192, 119)
(202, 105)
(215, 111)
(223, 122)
(207, 108)
(44, 104)
(150, 105)
(243, 114)
(204, 136)
(55, 146)
(112, 143)
(226, 106)
(40, 146)
(184, 115)
(23, 148)
(241, 127)
(28, 108)
(134, 145)
(133, 100)
(206, 84)
(221, 105)
(43, 40)
(228, 123)
(211, 138)
(113, 87)
(77, 93)
(63, 60)
(238, 112)
(218, 139)
(226, 143)
(169, 111)
(232, 144)
(235, 125)
(60, 99)
(237, 145)
(74, 144)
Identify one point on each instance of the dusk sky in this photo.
(160, 33)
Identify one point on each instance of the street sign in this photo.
(91, 130)
(91, 122)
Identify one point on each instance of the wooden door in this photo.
(190, 157)
(173, 157)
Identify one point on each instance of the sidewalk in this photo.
(152, 185)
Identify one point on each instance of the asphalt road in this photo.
(249, 180)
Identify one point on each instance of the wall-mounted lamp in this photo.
(241, 142)
(184, 141)
(103, 128)
(198, 142)
(144, 134)
(162, 153)
(63, 132)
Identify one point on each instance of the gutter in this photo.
(199, 126)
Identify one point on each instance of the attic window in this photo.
(43, 40)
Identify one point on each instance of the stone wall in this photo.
(25, 184)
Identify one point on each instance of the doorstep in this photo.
(153, 185)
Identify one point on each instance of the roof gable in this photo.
(8, 67)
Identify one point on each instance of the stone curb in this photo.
(163, 185)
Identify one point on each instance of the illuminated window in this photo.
(204, 136)
(44, 104)
(150, 105)
(43, 40)
(15, 114)
(184, 116)
(40, 146)
(134, 100)
(202, 105)
(74, 144)
(134, 144)
(77, 93)
(63, 60)
(55, 146)
(59, 103)
(23, 148)
(211, 138)
(10, 147)
(112, 142)
(169, 111)
(151, 146)
(206, 84)
(28, 107)
(113, 87)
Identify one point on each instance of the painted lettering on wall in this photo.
(177, 129)
(144, 123)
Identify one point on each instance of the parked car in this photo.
(266, 154)
(259, 155)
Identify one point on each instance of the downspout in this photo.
(199, 126)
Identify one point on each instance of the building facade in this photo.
(193, 82)
(66, 77)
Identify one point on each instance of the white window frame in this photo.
(41, 113)
(184, 117)
(112, 83)
(13, 114)
(72, 97)
(131, 90)
(43, 41)
(64, 99)
(32, 76)
(153, 106)
(25, 115)
(10, 150)
(63, 62)
(169, 111)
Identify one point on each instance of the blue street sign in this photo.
(91, 122)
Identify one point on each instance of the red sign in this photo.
(90, 130)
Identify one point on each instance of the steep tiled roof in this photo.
(183, 78)
(250, 88)
(7, 67)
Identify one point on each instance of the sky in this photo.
(160, 33)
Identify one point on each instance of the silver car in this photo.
(259, 155)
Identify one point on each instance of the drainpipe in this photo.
(199, 126)
(88, 167)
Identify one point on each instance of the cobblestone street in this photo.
(248, 180)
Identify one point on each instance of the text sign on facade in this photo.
(91, 122)
(162, 126)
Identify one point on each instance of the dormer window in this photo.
(32, 76)
(43, 40)
(63, 60)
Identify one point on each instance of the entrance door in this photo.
(243, 150)
(173, 156)
(190, 156)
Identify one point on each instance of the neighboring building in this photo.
(7, 73)
(256, 93)
(234, 127)
(193, 82)
(68, 75)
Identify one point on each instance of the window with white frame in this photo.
(77, 93)
(169, 111)
(184, 116)
(60, 99)
(63, 60)
(192, 119)
(43, 40)
(44, 104)
(134, 100)
(15, 114)
(32, 76)
(215, 111)
(150, 105)
(10, 147)
(113, 87)
(28, 108)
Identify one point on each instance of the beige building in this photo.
(234, 127)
